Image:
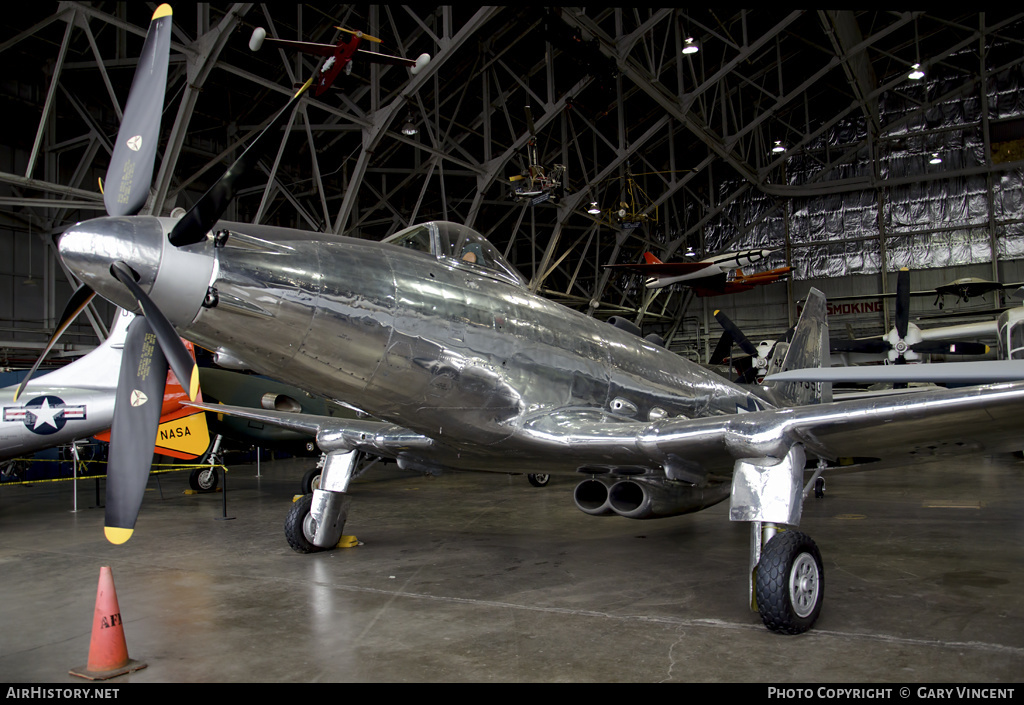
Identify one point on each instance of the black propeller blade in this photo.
(140, 392)
(185, 368)
(873, 346)
(723, 350)
(194, 225)
(737, 335)
(131, 167)
(745, 367)
(949, 347)
(78, 301)
(902, 302)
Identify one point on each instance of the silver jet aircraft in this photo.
(73, 402)
(464, 368)
(76, 402)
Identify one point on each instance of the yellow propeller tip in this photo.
(163, 11)
(716, 312)
(193, 384)
(116, 535)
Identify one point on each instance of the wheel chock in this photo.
(348, 542)
(108, 652)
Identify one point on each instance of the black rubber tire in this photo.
(790, 583)
(538, 480)
(204, 479)
(295, 525)
(311, 480)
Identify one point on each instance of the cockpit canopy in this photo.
(458, 245)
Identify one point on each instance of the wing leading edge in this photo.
(903, 429)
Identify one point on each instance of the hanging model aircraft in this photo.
(539, 183)
(339, 57)
(713, 276)
(76, 401)
(467, 369)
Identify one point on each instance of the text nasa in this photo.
(922, 692)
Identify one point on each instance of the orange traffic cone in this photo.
(108, 652)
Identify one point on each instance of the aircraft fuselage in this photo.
(442, 348)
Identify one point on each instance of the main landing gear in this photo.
(316, 520)
(787, 578)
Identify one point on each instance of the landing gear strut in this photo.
(787, 581)
(315, 521)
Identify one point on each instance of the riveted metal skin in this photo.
(441, 344)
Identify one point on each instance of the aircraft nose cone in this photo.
(175, 278)
(89, 248)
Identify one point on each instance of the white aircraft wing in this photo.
(974, 372)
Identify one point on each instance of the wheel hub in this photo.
(804, 584)
(309, 528)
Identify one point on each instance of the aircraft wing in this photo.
(332, 433)
(377, 57)
(662, 269)
(304, 47)
(973, 372)
(900, 429)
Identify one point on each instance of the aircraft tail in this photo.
(809, 347)
(183, 432)
(651, 259)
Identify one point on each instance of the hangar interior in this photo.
(798, 130)
(853, 144)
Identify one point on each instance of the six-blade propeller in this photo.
(152, 344)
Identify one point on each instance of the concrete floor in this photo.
(484, 578)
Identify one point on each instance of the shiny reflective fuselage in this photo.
(467, 359)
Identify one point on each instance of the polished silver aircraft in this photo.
(435, 336)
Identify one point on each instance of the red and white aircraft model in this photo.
(713, 276)
(339, 56)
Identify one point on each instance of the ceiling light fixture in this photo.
(778, 148)
(936, 159)
(917, 72)
(409, 128)
(593, 209)
(690, 46)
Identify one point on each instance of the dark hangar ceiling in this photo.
(609, 90)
